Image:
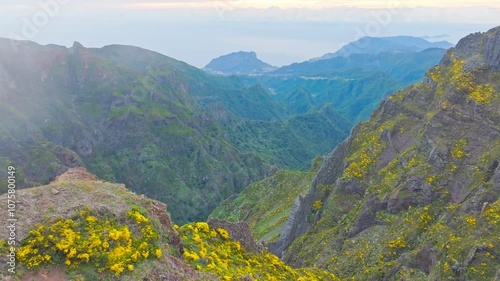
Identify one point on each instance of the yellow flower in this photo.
(91, 219)
(223, 233)
(158, 253)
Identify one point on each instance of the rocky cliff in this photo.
(413, 193)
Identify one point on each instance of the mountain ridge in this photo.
(377, 45)
(78, 201)
(157, 124)
(80, 108)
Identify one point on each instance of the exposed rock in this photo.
(295, 226)
(480, 50)
(298, 222)
(424, 260)
(367, 217)
(76, 174)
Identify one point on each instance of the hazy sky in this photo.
(281, 32)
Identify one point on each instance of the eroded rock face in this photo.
(299, 221)
(480, 50)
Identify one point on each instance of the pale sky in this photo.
(281, 32)
(285, 4)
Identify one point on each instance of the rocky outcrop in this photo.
(80, 190)
(479, 50)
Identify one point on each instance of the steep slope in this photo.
(413, 193)
(266, 205)
(125, 113)
(238, 63)
(81, 228)
(377, 45)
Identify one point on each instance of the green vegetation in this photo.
(417, 194)
(266, 205)
(293, 142)
(354, 85)
(162, 127)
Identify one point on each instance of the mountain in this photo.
(238, 63)
(161, 126)
(378, 45)
(413, 193)
(81, 228)
(128, 115)
(354, 85)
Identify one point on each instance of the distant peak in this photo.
(240, 62)
(242, 54)
(246, 53)
(77, 45)
(377, 45)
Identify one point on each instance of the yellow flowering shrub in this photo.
(104, 243)
(212, 250)
(397, 243)
(482, 94)
(471, 221)
(368, 147)
(492, 213)
(317, 205)
(458, 149)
